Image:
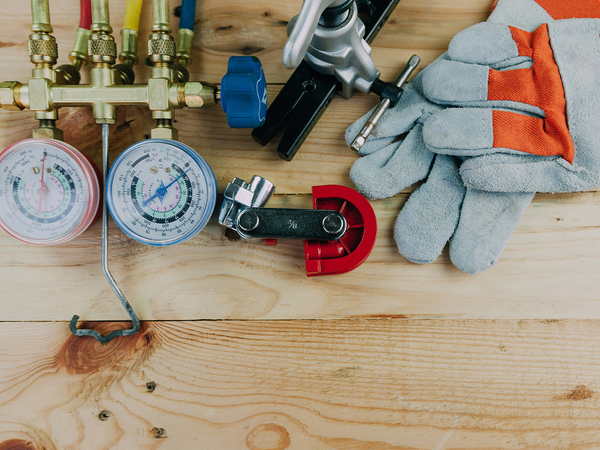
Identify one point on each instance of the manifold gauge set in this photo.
(160, 191)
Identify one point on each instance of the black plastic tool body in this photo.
(306, 95)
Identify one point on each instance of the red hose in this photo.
(85, 19)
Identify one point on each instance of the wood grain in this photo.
(548, 270)
(351, 384)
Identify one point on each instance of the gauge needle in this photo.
(162, 190)
(43, 190)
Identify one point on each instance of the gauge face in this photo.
(49, 192)
(161, 192)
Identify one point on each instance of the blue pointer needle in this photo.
(162, 189)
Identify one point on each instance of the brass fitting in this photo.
(164, 130)
(42, 49)
(9, 96)
(199, 95)
(79, 55)
(40, 17)
(102, 49)
(161, 48)
(100, 17)
(185, 38)
(48, 90)
(160, 14)
(47, 130)
(128, 53)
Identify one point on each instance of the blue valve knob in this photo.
(244, 92)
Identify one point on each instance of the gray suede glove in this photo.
(531, 126)
(477, 223)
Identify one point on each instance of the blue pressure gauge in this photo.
(161, 192)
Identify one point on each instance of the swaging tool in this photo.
(339, 233)
(334, 43)
(55, 191)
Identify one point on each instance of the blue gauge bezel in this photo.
(211, 194)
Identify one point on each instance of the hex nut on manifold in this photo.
(47, 133)
(8, 92)
(164, 133)
(193, 92)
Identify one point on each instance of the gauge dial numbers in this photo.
(161, 192)
(49, 191)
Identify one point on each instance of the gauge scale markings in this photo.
(154, 200)
(50, 191)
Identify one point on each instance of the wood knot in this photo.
(159, 433)
(151, 386)
(268, 436)
(580, 392)
(83, 355)
(231, 235)
(104, 415)
(251, 50)
(18, 444)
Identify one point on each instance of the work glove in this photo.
(477, 223)
(526, 129)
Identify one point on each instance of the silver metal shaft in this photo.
(383, 106)
(107, 274)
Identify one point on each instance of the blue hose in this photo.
(188, 14)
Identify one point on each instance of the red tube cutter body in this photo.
(354, 247)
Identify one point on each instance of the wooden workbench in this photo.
(390, 356)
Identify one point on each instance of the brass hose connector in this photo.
(40, 17)
(102, 49)
(42, 49)
(161, 48)
(79, 55)
(185, 38)
(128, 53)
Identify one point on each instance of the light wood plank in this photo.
(358, 384)
(548, 270)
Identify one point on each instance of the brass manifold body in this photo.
(52, 88)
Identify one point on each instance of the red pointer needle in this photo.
(43, 190)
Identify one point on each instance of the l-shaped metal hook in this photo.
(136, 322)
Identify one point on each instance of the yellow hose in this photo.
(133, 9)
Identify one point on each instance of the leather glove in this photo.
(477, 223)
(550, 108)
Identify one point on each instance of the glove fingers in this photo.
(431, 214)
(386, 172)
(479, 131)
(486, 43)
(460, 84)
(487, 221)
(525, 173)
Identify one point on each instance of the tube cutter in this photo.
(339, 233)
